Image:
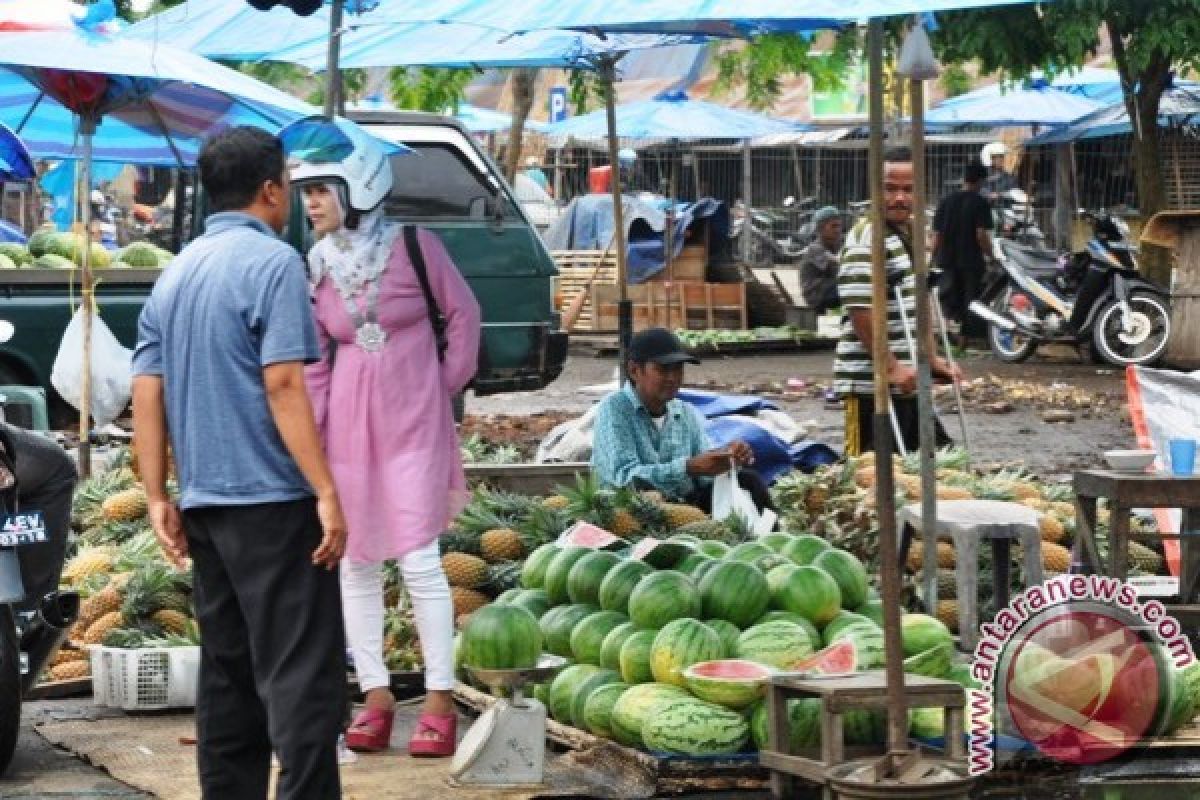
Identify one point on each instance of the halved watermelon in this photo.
(585, 534)
(732, 682)
(837, 659)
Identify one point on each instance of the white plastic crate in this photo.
(146, 679)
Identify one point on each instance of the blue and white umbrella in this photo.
(1037, 103)
(674, 116)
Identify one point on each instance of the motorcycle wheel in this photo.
(1010, 347)
(10, 687)
(1144, 343)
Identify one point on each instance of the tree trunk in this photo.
(523, 83)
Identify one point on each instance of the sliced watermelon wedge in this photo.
(839, 658)
(731, 682)
(660, 554)
(585, 534)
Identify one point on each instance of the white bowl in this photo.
(1129, 460)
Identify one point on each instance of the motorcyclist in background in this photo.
(999, 179)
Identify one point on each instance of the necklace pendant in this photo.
(370, 337)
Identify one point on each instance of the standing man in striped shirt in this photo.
(853, 370)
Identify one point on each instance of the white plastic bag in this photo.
(730, 499)
(917, 61)
(112, 369)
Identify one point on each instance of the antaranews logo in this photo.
(1081, 668)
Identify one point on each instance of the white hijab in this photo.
(352, 258)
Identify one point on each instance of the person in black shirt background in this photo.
(962, 246)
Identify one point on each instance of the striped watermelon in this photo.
(749, 552)
(636, 705)
(635, 657)
(584, 689)
(776, 644)
(777, 577)
(610, 648)
(728, 632)
(777, 540)
(693, 563)
(735, 591)
(803, 549)
(620, 582)
(868, 643)
(810, 592)
(533, 571)
(865, 727)
(501, 637)
(731, 683)
(694, 728)
(933, 663)
(563, 689)
(680, 644)
(598, 708)
(588, 636)
(559, 623)
(558, 571)
(585, 577)
(535, 601)
(506, 597)
(844, 619)
(848, 572)
(795, 619)
(662, 597)
(921, 632)
(804, 724)
(714, 549)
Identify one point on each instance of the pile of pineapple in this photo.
(130, 596)
(484, 550)
(838, 503)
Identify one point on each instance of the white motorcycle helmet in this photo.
(991, 151)
(323, 152)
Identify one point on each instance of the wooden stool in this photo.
(966, 522)
(1125, 492)
(864, 691)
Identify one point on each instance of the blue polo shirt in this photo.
(233, 302)
(629, 449)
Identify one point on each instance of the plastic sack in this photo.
(570, 442)
(730, 499)
(917, 61)
(112, 369)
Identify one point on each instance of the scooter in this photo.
(1014, 219)
(775, 237)
(1037, 296)
(30, 633)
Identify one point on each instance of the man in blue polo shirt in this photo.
(647, 438)
(219, 367)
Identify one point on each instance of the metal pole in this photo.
(333, 73)
(608, 76)
(885, 488)
(747, 189)
(925, 409)
(87, 129)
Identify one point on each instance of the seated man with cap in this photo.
(647, 438)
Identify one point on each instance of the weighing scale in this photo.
(506, 746)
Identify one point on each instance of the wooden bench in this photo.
(695, 306)
(576, 269)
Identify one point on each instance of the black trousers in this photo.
(748, 479)
(273, 664)
(860, 424)
(46, 478)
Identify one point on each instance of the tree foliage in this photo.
(428, 88)
(761, 66)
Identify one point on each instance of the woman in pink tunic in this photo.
(382, 398)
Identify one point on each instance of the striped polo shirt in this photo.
(852, 371)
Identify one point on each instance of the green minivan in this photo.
(447, 185)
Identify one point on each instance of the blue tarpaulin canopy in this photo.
(1037, 103)
(674, 116)
(486, 120)
(1180, 106)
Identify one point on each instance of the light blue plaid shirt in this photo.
(629, 449)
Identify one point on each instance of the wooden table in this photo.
(1126, 491)
(864, 691)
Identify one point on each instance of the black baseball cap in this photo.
(660, 346)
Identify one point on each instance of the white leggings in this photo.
(362, 606)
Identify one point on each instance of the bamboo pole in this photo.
(608, 76)
(87, 292)
(333, 74)
(885, 480)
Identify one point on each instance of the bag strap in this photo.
(417, 257)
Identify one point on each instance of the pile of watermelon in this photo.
(670, 644)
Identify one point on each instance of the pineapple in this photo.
(1055, 557)
(592, 503)
(916, 555)
(556, 502)
(89, 495)
(679, 514)
(708, 529)
(816, 497)
(100, 629)
(624, 524)
(171, 621)
(1144, 559)
(950, 493)
(125, 506)
(501, 544)
(1036, 503)
(67, 655)
(88, 562)
(1025, 490)
(542, 525)
(865, 477)
(71, 671)
(1063, 510)
(1052, 529)
(947, 583)
(103, 602)
(464, 571)
(153, 588)
(947, 612)
(466, 601)
(646, 510)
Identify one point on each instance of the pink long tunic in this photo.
(386, 417)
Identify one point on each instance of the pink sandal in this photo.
(441, 745)
(371, 731)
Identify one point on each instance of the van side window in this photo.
(436, 181)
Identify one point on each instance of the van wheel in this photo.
(10, 687)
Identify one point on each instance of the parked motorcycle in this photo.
(1014, 219)
(30, 633)
(776, 237)
(1037, 296)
